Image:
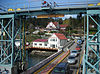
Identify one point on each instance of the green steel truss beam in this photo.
(90, 62)
(9, 52)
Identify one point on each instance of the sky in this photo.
(34, 4)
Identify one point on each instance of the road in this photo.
(61, 58)
(74, 68)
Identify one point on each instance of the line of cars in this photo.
(63, 67)
(73, 57)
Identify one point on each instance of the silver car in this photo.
(74, 53)
(72, 60)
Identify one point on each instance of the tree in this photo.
(60, 21)
(66, 21)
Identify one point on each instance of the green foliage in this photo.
(74, 31)
(92, 32)
(41, 33)
(53, 32)
(41, 22)
(60, 21)
(66, 21)
(93, 29)
(73, 23)
(31, 37)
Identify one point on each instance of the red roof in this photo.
(41, 40)
(63, 26)
(55, 23)
(61, 36)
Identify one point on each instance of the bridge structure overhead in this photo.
(35, 7)
(18, 10)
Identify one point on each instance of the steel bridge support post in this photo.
(87, 44)
(20, 38)
(2, 42)
(84, 47)
(12, 41)
(10, 54)
(24, 38)
(98, 41)
(9, 49)
(90, 62)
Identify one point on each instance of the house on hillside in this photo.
(52, 26)
(63, 27)
(55, 26)
(56, 40)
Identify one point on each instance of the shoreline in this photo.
(42, 53)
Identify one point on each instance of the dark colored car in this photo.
(61, 68)
(78, 46)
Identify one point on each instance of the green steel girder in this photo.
(7, 16)
(66, 11)
(9, 53)
(55, 10)
(90, 12)
(46, 12)
(87, 63)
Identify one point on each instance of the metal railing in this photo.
(34, 4)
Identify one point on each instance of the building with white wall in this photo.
(63, 26)
(56, 40)
(43, 43)
(52, 26)
(55, 26)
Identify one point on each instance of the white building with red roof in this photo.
(52, 26)
(63, 26)
(40, 43)
(56, 40)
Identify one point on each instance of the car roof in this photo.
(63, 64)
(72, 56)
(73, 50)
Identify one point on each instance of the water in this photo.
(36, 57)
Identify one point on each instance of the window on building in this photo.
(35, 43)
(52, 39)
(40, 44)
(45, 44)
(53, 46)
(56, 45)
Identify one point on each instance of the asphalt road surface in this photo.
(74, 67)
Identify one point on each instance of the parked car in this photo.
(74, 53)
(78, 46)
(61, 68)
(79, 41)
(72, 59)
(78, 49)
